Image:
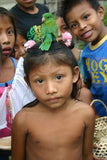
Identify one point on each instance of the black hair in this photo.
(57, 14)
(21, 32)
(67, 5)
(58, 53)
(5, 12)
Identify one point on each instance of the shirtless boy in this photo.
(58, 127)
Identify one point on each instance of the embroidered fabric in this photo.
(5, 106)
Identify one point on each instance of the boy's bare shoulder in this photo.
(84, 109)
(23, 115)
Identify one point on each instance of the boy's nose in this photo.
(4, 38)
(82, 25)
(51, 88)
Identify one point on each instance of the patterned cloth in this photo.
(5, 88)
(19, 94)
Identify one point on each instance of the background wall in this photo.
(52, 4)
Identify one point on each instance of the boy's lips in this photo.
(6, 51)
(28, 1)
(87, 34)
(54, 100)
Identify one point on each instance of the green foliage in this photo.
(81, 44)
(105, 17)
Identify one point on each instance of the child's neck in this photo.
(101, 36)
(30, 10)
(5, 61)
(6, 70)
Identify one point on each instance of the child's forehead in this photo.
(79, 9)
(3, 17)
(79, 4)
(20, 36)
(60, 20)
(51, 61)
(50, 68)
(5, 20)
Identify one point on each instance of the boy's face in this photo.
(26, 3)
(19, 46)
(62, 27)
(7, 35)
(52, 87)
(85, 23)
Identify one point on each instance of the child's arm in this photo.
(19, 136)
(88, 134)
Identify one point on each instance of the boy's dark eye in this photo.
(86, 16)
(58, 77)
(65, 28)
(74, 25)
(39, 81)
(10, 32)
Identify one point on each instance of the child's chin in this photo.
(6, 53)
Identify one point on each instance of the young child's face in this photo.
(7, 35)
(19, 46)
(26, 3)
(85, 23)
(52, 87)
(62, 27)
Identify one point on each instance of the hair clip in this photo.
(29, 44)
(67, 38)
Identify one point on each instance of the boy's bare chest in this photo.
(55, 138)
(60, 131)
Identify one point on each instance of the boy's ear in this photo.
(101, 12)
(26, 81)
(76, 73)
